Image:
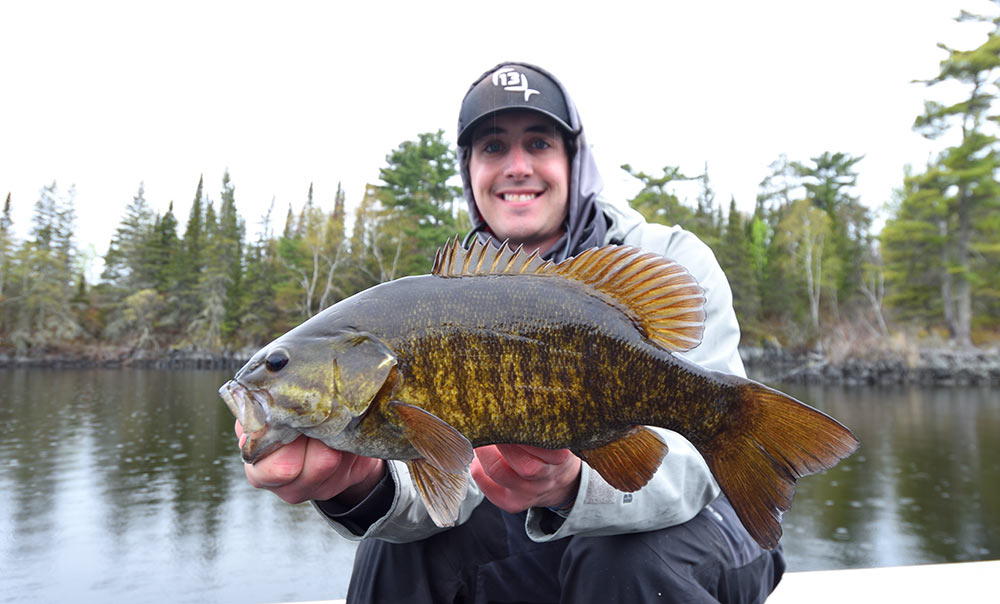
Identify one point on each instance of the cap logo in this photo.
(513, 81)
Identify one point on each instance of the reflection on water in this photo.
(120, 485)
(924, 487)
(126, 486)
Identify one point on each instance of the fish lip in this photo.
(235, 394)
(234, 401)
(251, 452)
(250, 406)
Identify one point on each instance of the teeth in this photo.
(519, 197)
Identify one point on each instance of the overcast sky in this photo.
(105, 95)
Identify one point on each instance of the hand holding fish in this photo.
(517, 477)
(306, 469)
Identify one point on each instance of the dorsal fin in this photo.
(659, 295)
(453, 260)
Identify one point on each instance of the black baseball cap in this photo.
(512, 86)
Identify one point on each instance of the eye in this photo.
(276, 360)
(540, 144)
(492, 147)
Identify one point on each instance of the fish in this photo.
(496, 345)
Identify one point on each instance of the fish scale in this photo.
(498, 346)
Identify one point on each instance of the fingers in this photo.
(532, 462)
(306, 469)
(280, 467)
(516, 477)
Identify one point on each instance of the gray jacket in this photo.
(681, 487)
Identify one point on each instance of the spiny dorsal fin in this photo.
(658, 294)
(453, 260)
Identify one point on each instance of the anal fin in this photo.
(629, 462)
(442, 492)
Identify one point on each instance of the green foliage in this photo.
(828, 182)
(804, 233)
(417, 207)
(183, 294)
(804, 262)
(940, 245)
(6, 251)
(655, 201)
(134, 325)
(40, 275)
(913, 243)
(261, 317)
(127, 264)
(735, 255)
(312, 254)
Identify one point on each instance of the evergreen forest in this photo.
(807, 269)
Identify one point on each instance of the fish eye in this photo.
(276, 360)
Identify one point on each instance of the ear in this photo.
(362, 365)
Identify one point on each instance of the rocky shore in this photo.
(104, 357)
(941, 367)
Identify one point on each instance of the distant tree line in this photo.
(806, 267)
(205, 285)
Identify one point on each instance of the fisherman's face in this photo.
(519, 173)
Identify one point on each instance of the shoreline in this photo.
(925, 367)
(117, 358)
(931, 367)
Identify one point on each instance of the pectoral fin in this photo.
(629, 462)
(441, 445)
(441, 491)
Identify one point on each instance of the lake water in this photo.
(126, 486)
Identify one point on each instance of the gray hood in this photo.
(585, 224)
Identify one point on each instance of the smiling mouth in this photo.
(518, 196)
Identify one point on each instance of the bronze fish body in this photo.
(497, 346)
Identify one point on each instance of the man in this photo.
(538, 525)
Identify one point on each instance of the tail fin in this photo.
(777, 440)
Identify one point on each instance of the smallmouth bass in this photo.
(498, 346)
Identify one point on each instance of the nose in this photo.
(518, 164)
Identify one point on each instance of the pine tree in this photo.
(828, 183)
(655, 201)
(184, 300)
(229, 255)
(420, 204)
(734, 255)
(126, 264)
(6, 247)
(778, 287)
(967, 196)
(206, 328)
(707, 220)
(261, 318)
(46, 266)
(916, 254)
(164, 250)
(8, 258)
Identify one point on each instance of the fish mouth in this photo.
(252, 408)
